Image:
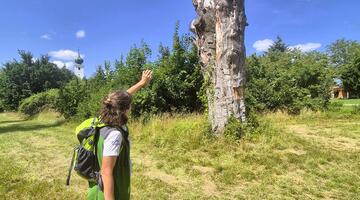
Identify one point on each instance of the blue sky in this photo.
(102, 30)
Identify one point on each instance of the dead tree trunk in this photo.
(219, 30)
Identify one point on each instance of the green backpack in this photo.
(84, 160)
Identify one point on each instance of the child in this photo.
(113, 146)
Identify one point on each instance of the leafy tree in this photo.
(119, 63)
(293, 81)
(278, 46)
(164, 51)
(177, 80)
(21, 79)
(129, 72)
(70, 96)
(343, 52)
(109, 73)
(98, 79)
(97, 87)
(351, 77)
(342, 55)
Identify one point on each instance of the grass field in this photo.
(345, 105)
(311, 156)
(347, 102)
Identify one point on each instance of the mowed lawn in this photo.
(347, 102)
(311, 156)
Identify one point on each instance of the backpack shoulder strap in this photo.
(124, 132)
(105, 131)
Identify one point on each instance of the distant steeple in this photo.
(79, 60)
(79, 68)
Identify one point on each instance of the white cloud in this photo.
(80, 34)
(306, 47)
(61, 64)
(46, 37)
(65, 54)
(263, 45)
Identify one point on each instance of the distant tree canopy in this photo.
(343, 52)
(289, 80)
(23, 78)
(344, 57)
(351, 76)
(280, 79)
(174, 88)
(278, 46)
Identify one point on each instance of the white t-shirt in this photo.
(112, 143)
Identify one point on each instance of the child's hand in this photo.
(146, 77)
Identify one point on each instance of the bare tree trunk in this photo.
(219, 30)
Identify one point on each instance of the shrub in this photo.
(289, 81)
(22, 78)
(37, 102)
(335, 106)
(90, 106)
(70, 96)
(234, 129)
(2, 106)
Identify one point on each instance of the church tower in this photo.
(79, 68)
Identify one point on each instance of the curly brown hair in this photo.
(115, 105)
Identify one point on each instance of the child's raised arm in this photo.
(145, 79)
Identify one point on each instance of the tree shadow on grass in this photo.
(18, 127)
(13, 121)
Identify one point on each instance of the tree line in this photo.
(279, 79)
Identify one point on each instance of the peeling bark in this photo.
(219, 30)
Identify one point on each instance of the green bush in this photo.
(234, 129)
(335, 106)
(70, 96)
(351, 76)
(2, 106)
(22, 78)
(90, 106)
(37, 102)
(177, 81)
(288, 81)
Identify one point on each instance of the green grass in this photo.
(347, 102)
(350, 106)
(311, 156)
